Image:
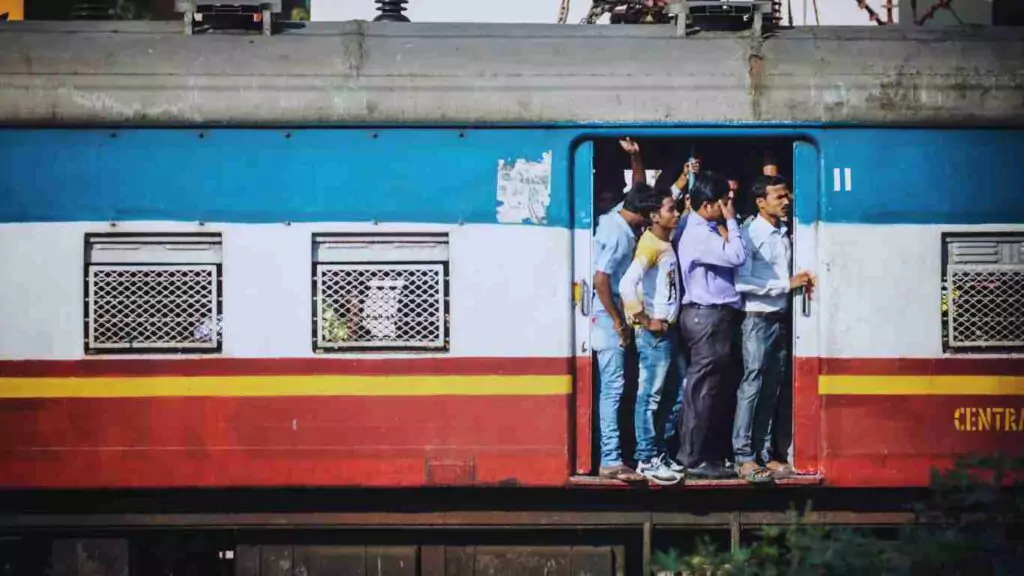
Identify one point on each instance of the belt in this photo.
(710, 307)
(772, 314)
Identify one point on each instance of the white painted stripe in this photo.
(835, 179)
(848, 173)
(877, 301)
(510, 288)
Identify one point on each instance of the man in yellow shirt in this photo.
(650, 299)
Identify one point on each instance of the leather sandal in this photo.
(780, 469)
(753, 473)
(621, 473)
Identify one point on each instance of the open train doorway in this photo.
(614, 345)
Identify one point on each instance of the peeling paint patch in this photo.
(524, 190)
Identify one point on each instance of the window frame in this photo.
(176, 238)
(445, 285)
(946, 311)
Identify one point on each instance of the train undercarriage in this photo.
(405, 532)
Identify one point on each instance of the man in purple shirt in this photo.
(710, 251)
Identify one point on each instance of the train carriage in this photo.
(356, 255)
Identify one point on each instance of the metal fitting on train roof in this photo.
(237, 14)
(391, 11)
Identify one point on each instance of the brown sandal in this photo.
(780, 469)
(621, 473)
(753, 473)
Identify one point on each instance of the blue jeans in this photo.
(765, 356)
(611, 382)
(659, 397)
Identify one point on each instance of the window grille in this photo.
(983, 299)
(153, 293)
(380, 292)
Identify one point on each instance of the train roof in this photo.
(150, 73)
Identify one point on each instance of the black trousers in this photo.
(705, 431)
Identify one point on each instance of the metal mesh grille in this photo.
(986, 306)
(394, 306)
(153, 307)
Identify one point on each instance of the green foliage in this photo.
(964, 527)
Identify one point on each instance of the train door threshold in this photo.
(599, 482)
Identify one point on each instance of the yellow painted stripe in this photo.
(132, 387)
(831, 385)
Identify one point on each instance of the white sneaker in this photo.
(676, 468)
(655, 471)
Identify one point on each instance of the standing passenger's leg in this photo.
(775, 419)
(707, 334)
(750, 398)
(672, 400)
(611, 382)
(655, 354)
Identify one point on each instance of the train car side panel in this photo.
(268, 408)
(896, 399)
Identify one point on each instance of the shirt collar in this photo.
(697, 219)
(766, 226)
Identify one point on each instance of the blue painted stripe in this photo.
(922, 176)
(424, 175)
(237, 175)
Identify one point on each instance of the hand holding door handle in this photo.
(805, 281)
(806, 292)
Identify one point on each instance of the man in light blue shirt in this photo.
(766, 282)
(710, 251)
(613, 247)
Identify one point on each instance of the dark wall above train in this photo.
(116, 9)
(150, 73)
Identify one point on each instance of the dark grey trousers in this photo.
(706, 428)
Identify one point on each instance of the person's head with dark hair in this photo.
(709, 191)
(665, 216)
(642, 199)
(772, 197)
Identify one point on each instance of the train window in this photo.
(983, 291)
(383, 292)
(153, 293)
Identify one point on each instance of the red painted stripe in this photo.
(806, 415)
(326, 441)
(869, 441)
(284, 367)
(279, 468)
(584, 437)
(297, 422)
(923, 366)
(454, 366)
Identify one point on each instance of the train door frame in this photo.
(807, 327)
(583, 221)
(806, 183)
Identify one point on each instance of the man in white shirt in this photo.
(765, 280)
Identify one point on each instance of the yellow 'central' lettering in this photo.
(988, 419)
